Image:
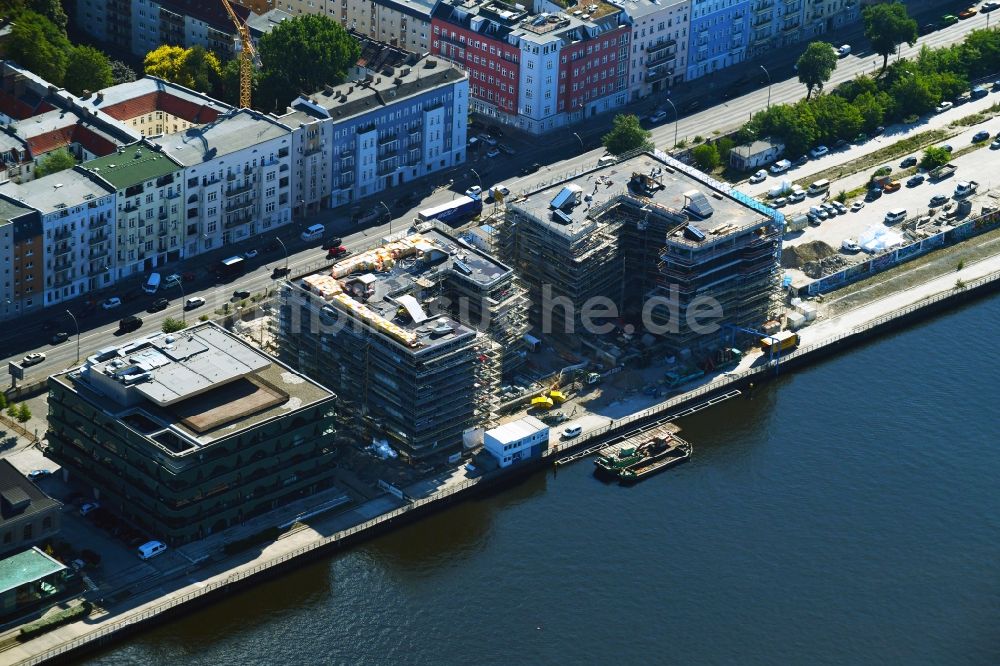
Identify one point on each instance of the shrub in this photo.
(50, 622)
(171, 325)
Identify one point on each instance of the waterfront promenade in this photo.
(191, 585)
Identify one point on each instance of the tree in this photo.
(50, 9)
(229, 84)
(626, 135)
(706, 156)
(302, 54)
(934, 157)
(12, 411)
(39, 46)
(3, 400)
(193, 68)
(725, 146)
(57, 160)
(887, 26)
(171, 325)
(871, 108)
(23, 413)
(121, 72)
(816, 66)
(88, 69)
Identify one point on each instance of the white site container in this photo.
(796, 320)
(808, 310)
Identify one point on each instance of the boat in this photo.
(607, 465)
(655, 459)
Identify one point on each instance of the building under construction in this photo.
(417, 331)
(649, 227)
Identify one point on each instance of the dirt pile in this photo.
(806, 253)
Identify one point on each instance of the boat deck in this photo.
(637, 439)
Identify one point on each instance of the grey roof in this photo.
(261, 24)
(420, 9)
(755, 148)
(10, 210)
(605, 185)
(124, 92)
(19, 497)
(56, 191)
(642, 8)
(357, 98)
(229, 134)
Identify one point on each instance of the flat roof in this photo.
(57, 191)
(131, 165)
(187, 389)
(356, 98)
(26, 567)
(638, 9)
(604, 185)
(228, 134)
(373, 285)
(515, 430)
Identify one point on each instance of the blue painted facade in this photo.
(719, 35)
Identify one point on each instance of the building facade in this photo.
(388, 129)
(22, 253)
(538, 69)
(184, 436)
(27, 515)
(719, 35)
(776, 25)
(658, 58)
(150, 227)
(515, 441)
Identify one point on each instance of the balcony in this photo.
(96, 240)
(234, 206)
(238, 220)
(241, 189)
(660, 58)
(763, 6)
(658, 74)
(62, 235)
(791, 27)
(63, 249)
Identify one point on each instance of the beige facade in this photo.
(155, 123)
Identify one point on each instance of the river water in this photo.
(845, 514)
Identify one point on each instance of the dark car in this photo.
(840, 144)
(878, 131)
(280, 271)
(874, 193)
(688, 107)
(531, 168)
(61, 336)
(981, 135)
(947, 147)
(938, 200)
(158, 305)
(908, 162)
(802, 160)
(129, 323)
(495, 130)
(928, 28)
(336, 252)
(915, 180)
(240, 294)
(331, 243)
(505, 149)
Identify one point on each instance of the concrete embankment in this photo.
(214, 581)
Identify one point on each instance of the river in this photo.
(846, 513)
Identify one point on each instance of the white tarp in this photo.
(878, 238)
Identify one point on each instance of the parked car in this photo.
(34, 358)
(968, 13)
(988, 7)
(111, 303)
(60, 337)
(915, 180)
(172, 279)
(938, 200)
(819, 151)
(129, 323)
(336, 252)
(978, 92)
(995, 144)
(570, 432)
(878, 131)
(280, 272)
(780, 202)
(250, 254)
(910, 161)
(948, 19)
(505, 149)
(495, 130)
(194, 302)
(331, 243)
(844, 51)
(488, 140)
(841, 208)
(38, 474)
(802, 160)
(531, 168)
(158, 305)
(759, 176)
(658, 116)
(980, 136)
(89, 507)
(947, 147)
(840, 143)
(857, 205)
(493, 152)
(781, 166)
(796, 196)
(849, 245)
(240, 294)
(942, 107)
(475, 192)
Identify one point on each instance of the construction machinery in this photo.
(247, 56)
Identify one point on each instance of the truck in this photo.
(779, 342)
(456, 211)
(964, 189)
(942, 172)
(795, 223)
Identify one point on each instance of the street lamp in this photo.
(389, 212)
(476, 174)
(676, 119)
(580, 140)
(768, 85)
(77, 325)
(285, 249)
(183, 301)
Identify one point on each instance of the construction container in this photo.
(771, 327)
(781, 341)
(808, 310)
(796, 320)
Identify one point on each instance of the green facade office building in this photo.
(186, 434)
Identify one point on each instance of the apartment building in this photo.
(140, 26)
(536, 70)
(412, 331)
(719, 35)
(150, 226)
(780, 24)
(22, 255)
(77, 217)
(237, 178)
(390, 128)
(152, 106)
(658, 58)
(658, 240)
(184, 435)
(27, 515)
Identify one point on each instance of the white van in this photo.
(152, 283)
(819, 186)
(607, 160)
(895, 215)
(150, 549)
(314, 233)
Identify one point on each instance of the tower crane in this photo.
(248, 55)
